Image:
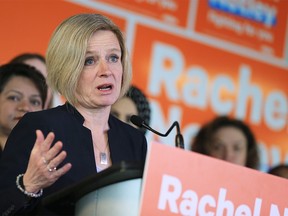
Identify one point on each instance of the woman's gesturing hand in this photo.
(43, 170)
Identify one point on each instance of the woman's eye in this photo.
(36, 102)
(238, 148)
(114, 58)
(216, 146)
(13, 98)
(89, 61)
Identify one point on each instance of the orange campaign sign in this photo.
(192, 82)
(171, 12)
(33, 22)
(179, 182)
(259, 25)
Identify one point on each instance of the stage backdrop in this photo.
(194, 59)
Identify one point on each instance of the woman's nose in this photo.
(228, 155)
(24, 106)
(104, 68)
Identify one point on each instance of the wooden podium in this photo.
(114, 191)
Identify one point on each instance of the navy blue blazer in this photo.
(125, 142)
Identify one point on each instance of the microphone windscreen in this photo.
(136, 120)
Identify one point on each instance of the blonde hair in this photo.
(66, 51)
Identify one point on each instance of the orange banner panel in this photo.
(200, 82)
(256, 24)
(172, 11)
(26, 26)
(193, 184)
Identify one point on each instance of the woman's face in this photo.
(123, 109)
(18, 97)
(229, 144)
(100, 81)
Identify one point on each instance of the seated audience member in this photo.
(38, 61)
(228, 139)
(22, 89)
(280, 170)
(133, 103)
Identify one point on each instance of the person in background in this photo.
(134, 103)
(280, 170)
(38, 61)
(87, 62)
(228, 139)
(22, 89)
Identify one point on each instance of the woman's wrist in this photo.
(21, 187)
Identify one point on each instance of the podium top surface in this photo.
(114, 174)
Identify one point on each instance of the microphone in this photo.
(139, 122)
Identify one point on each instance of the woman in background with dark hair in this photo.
(133, 103)
(280, 170)
(34, 59)
(22, 89)
(228, 139)
(38, 61)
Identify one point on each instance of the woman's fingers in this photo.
(54, 163)
(48, 153)
(44, 144)
(43, 167)
(55, 175)
(51, 172)
(52, 153)
(39, 136)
